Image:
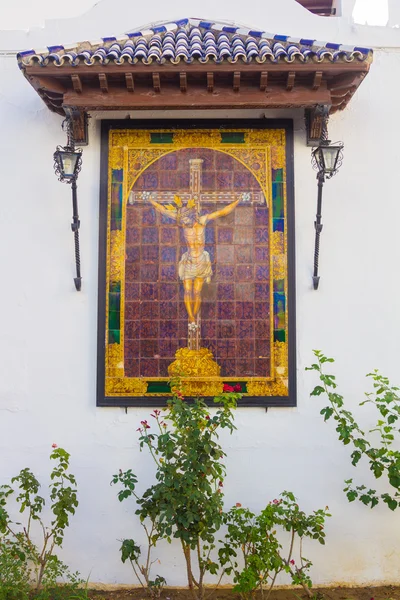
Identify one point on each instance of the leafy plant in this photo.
(254, 539)
(186, 502)
(36, 564)
(76, 588)
(130, 550)
(14, 579)
(383, 459)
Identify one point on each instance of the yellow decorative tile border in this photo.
(132, 151)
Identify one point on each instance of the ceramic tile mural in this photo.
(196, 263)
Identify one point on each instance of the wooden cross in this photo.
(195, 193)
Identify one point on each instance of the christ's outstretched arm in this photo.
(164, 211)
(221, 213)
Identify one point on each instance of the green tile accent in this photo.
(116, 200)
(114, 302)
(158, 387)
(114, 336)
(277, 175)
(115, 286)
(277, 201)
(280, 320)
(279, 335)
(114, 320)
(232, 137)
(279, 285)
(161, 138)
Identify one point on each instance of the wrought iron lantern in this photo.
(326, 160)
(67, 165)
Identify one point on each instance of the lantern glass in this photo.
(67, 162)
(328, 158)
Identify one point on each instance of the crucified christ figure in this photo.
(195, 264)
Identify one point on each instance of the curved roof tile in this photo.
(189, 39)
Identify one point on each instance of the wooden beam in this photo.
(59, 86)
(345, 81)
(291, 76)
(183, 81)
(210, 82)
(330, 69)
(236, 81)
(341, 105)
(103, 83)
(156, 83)
(129, 82)
(317, 80)
(198, 97)
(341, 94)
(76, 83)
(48, 84)
(263, 81)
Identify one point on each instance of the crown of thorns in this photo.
(179, 207)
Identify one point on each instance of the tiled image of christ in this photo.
(197, 254)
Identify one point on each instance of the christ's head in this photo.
(188, 216)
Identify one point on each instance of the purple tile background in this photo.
(235, 311)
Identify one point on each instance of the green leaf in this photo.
(317, 391)
(129, 551)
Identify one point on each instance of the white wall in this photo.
(48, 333)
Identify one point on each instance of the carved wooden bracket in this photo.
(316, 124)
(79, 120)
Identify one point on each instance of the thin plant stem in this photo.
(216, 587)
(201, 569)
(272, 583)
(137, 575)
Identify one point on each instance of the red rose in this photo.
(228, 388)
(54, 445)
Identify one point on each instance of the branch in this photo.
(137, 575)
(216, 587)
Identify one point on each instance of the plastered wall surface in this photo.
(48, 333)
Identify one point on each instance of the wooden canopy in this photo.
(194, 64)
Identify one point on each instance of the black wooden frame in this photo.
(155, 401)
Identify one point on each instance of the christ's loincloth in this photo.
(192, 268)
